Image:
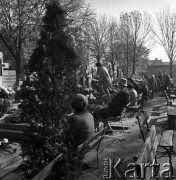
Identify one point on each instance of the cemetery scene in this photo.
(86, 95)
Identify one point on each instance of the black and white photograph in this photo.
(87, 89)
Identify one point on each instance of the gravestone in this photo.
(7, 76)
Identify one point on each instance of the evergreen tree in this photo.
(46, 92)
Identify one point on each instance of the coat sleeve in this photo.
(120, 100)
(114, 102)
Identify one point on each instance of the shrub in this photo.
(46, 92)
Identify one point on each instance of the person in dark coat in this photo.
(120, 100)
(160, 76)
(144, 90)
(135, 84)
(167, 82)
(158, 84)
(81, 122)
(153, 85)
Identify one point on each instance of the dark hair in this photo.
(98, 64)
(79, 102)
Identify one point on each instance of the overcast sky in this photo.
(115, 7)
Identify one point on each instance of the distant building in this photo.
(157, 65)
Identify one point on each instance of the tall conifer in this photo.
(46, 91)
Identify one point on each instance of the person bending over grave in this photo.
(135, 84)
(133, 95)
(120, 100)
(81, 122)
(104, 79)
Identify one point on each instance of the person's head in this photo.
(79, 102)
(122, 83)
(77, 89)
(130, 80)
(98, 64)
(130, 86)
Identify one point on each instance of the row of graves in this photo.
(12, 130)
(7, 76)
(9, 116)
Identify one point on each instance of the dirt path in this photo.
(127, 144)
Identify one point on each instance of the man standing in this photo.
(120, 100)
(104, 79)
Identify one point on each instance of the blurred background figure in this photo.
(133, 95)
(134, 83)
(144, 90)
(104, 79)
(153, 86)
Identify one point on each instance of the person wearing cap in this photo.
(133, 94)
(104, 79)
(119, 101)
(81, 122)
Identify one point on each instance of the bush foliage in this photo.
(45, 93)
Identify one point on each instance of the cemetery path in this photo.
(127, 144)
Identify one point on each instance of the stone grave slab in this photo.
(8, 155)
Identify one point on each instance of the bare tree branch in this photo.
(166, 36)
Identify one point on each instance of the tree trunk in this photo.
(18, 67)
(98, 58)
(134, 67)
(127, 60)
(113, 72)
(171, 63)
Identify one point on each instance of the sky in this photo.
(113, 8)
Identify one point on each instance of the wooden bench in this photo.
(91, 143)
(120, 118)
(82, 150)
(149, 149)
(171, 113)
(173, 90)
(143, 123)
(169, 102)
(170, 98)
(166, 140)
(45, 172)
(171, 93)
